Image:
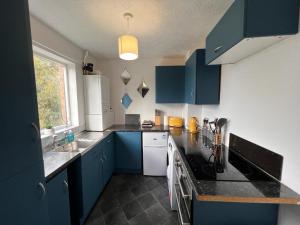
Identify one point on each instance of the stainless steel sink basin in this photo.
(75, 146)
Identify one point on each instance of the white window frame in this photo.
(68, 66)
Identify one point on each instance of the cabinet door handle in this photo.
(66, 186)
(218, 48)
(37, 131)
(41, 186)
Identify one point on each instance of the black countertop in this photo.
(231, 191)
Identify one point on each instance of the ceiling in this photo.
(165, 28)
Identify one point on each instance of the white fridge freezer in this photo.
(155, 150)
(98, 115)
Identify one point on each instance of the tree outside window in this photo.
(51, 92)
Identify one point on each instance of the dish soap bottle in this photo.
(70, 136)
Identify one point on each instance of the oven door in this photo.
(183, 192)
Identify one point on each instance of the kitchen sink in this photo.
(75, 146)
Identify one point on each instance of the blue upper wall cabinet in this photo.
(128, 155)
(202, 82)
(249, 26)
(22, 182)
(169, 81)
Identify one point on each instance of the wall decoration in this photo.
(126, 101)
(143, 89)
(125, 77)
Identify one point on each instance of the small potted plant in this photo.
(49, 130)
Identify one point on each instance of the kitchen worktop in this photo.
(123, 127)
(271, 191)
(54, 161)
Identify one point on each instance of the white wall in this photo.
(45, 37)
(261, 97)
(139, 70)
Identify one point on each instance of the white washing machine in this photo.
(171, 172)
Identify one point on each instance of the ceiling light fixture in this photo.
(128, 44)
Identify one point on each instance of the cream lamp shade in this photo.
(128, 47)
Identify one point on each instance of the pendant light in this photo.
(128, 44)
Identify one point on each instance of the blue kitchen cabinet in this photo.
(128, 152)
(169, 81)
(92, 182)
(22, 198)
(88, 175)
(108, 158)
(202, 82)
(224, 213)
(58, 199)
(190, 79)
(249, 26)
(20, 140)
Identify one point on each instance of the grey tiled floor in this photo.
(134, 200)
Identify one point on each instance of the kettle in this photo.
(193, 125)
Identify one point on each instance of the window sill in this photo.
(59, 132)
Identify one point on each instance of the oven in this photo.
(183, 190)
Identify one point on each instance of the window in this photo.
(52, 92)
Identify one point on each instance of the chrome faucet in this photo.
(54, 143)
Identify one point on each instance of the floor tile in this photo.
(108, 205)
(125, 197)
(165, 202)
(157, 214)
(132, 209)
(141, 219)
(147, 200)
(115, 217)
(134, 200)
(152, 184)
(139, 190)
(160, 192)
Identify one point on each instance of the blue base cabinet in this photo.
(128, 152)
(108, 158)
(88, 176)
(202, 82)
(169, 81)
(58, 200)
(92, 180)
(225, 213)
(23, 198)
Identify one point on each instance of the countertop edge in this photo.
(237, 199)
(61, 168)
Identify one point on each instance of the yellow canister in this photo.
(193, 125)
(175, 121)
